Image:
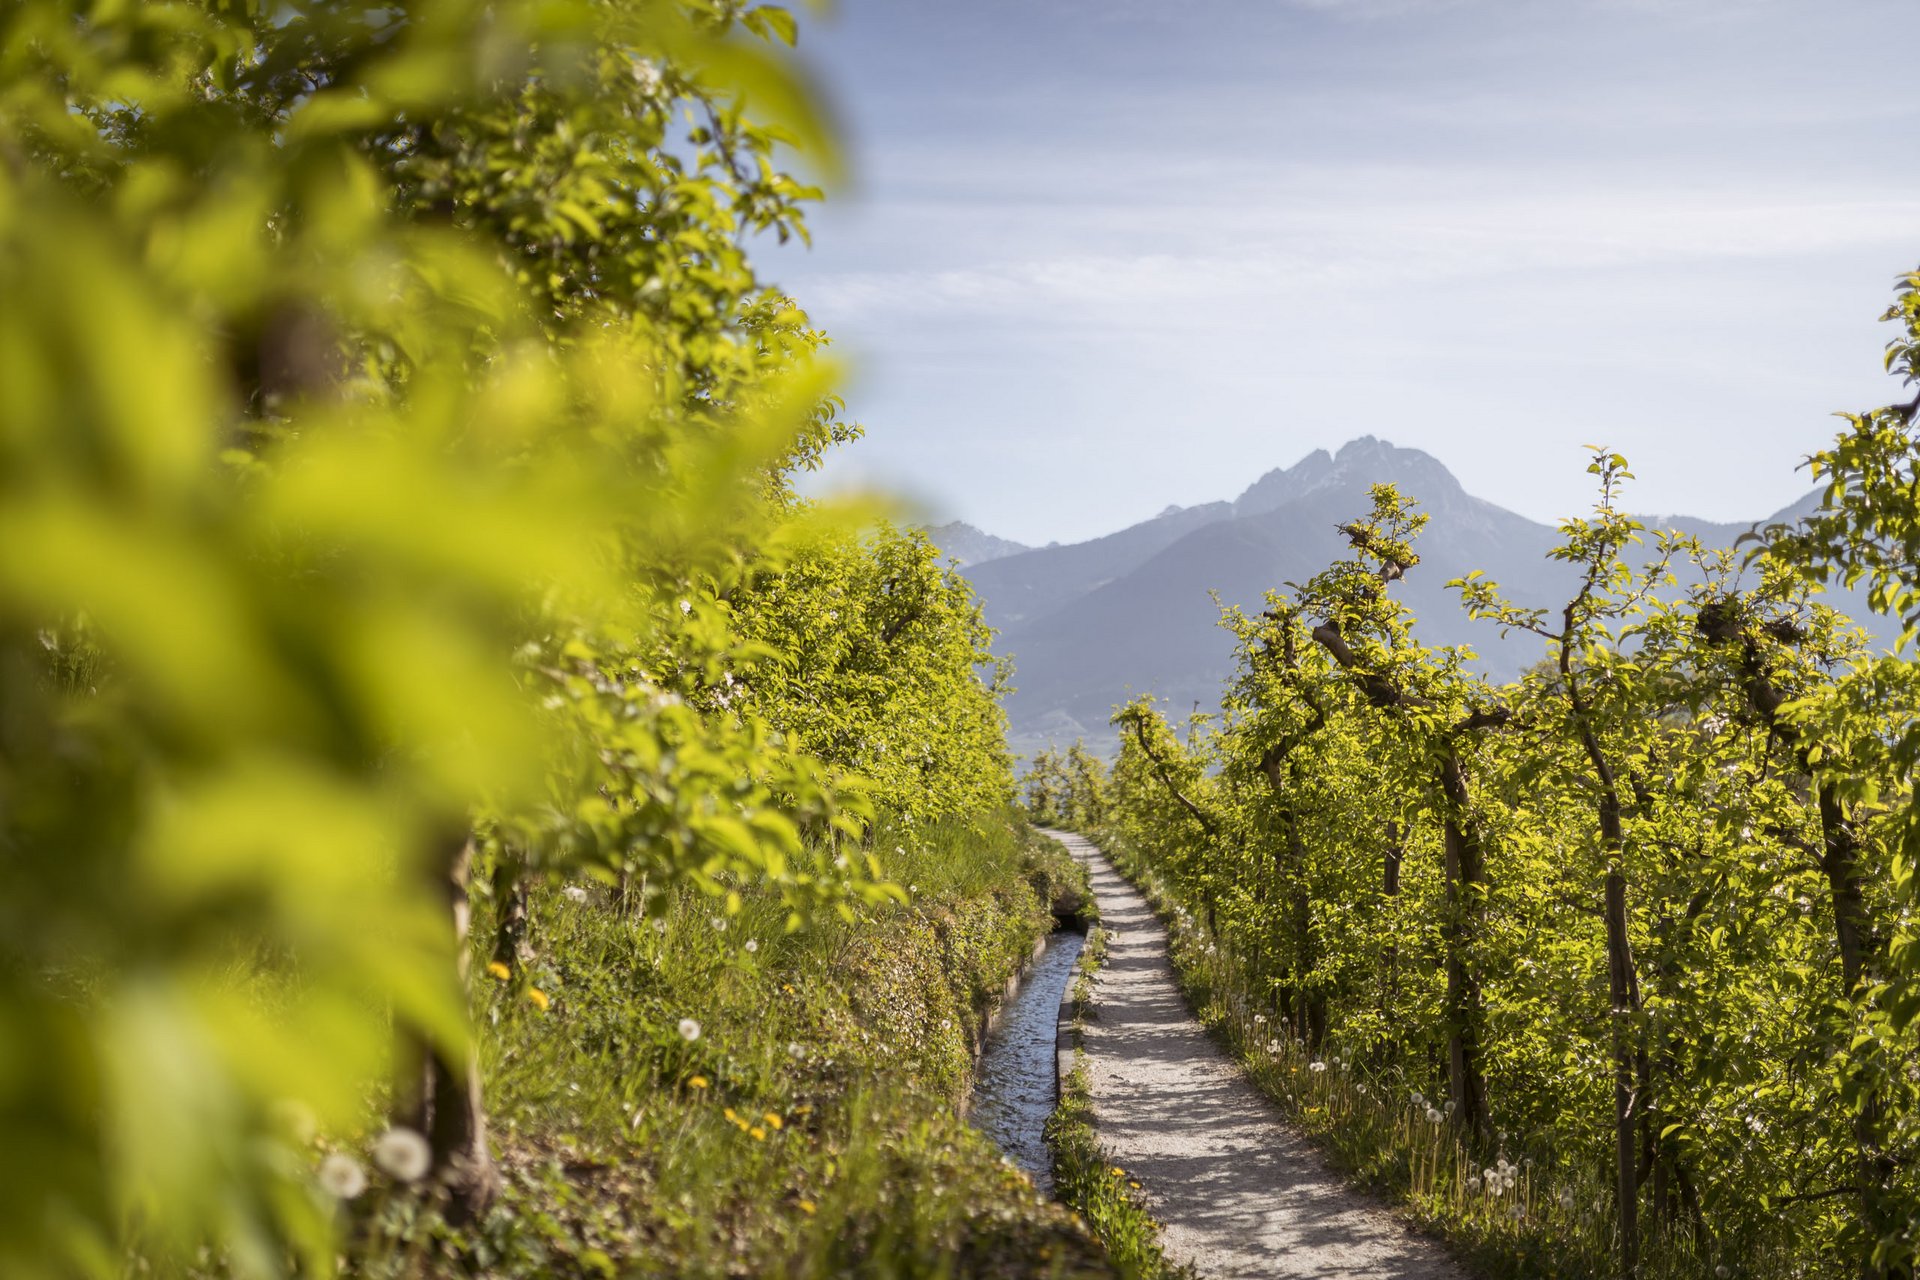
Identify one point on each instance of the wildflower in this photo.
(795, 1049)
(1433, 1115)
(774, 1121)
(539, 998)
(719, 924)
(1473, 1182)
(1118, 1172)
(697, 1082)
(733, 1118)
(757, 1133)
(1134, 1185)
(403, 1154)
(753, 945)
(689, 1029)
(1259, 1019)
(807, 1207)
(499, 970)
(1722, 1271)
(575, 893)
(342, 1177)
(1316, 1065)
(787, 987)
(804, 1109)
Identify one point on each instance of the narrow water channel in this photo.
(1014, 1087)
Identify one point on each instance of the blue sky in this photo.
(1098, 257)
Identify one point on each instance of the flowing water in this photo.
(1013, 1090)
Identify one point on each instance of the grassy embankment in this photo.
(1500, 1219)
(811, 1127)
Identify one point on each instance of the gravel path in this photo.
(1240, 1193)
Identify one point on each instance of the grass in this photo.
(811, 1129)
(1549, 1219)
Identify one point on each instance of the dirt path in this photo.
(1240, 1193)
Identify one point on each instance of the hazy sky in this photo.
(1099, 256)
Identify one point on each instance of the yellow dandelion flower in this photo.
(1134, 1185)
(696, 1082)
(758, 1134)
(538, 997)
(499, 970)
(1118, 1172)
(804, 1109)
(774, 1121)
(733, 1117)
(787, 987)
(808, 1207)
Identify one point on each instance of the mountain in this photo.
(1040, 579)
(1095, 623)
(968, 545)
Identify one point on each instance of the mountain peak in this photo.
(1365, 461)
(961, 541)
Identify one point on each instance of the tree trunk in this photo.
(438, 1089)
(1853, 927)
(1622, 996)
(1853, 930)
(1465, 872)
(1390, 977)
(1313, 1003)
(511, 908)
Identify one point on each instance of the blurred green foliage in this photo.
(392, 423)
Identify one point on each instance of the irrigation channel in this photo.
(1014, 1087)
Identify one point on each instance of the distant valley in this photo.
(1092, 624)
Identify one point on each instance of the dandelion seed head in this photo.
(689, 1029)
(403, 1154)
(342, 1177)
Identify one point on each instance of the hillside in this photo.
(1091, 624)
